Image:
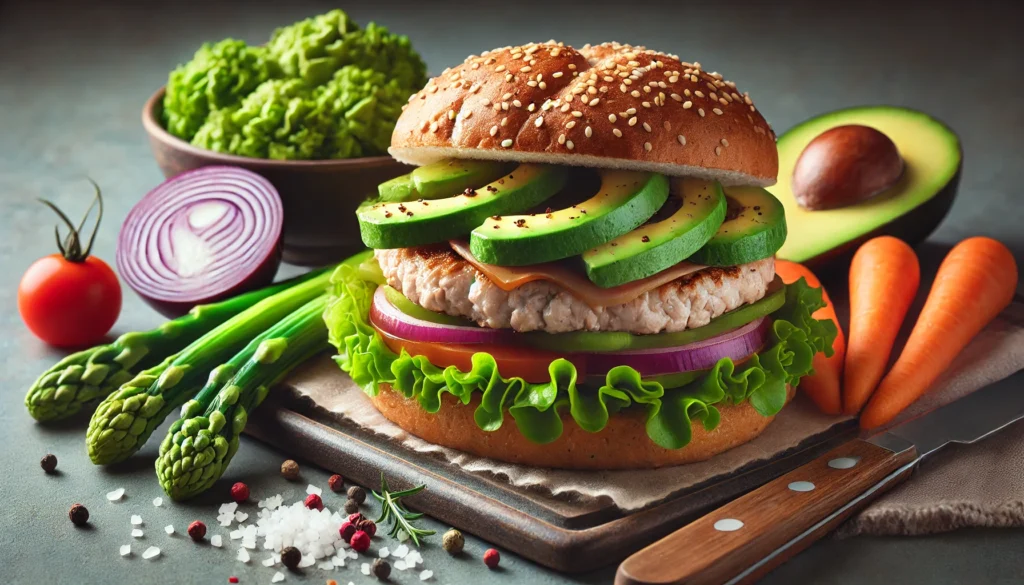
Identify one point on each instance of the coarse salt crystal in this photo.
(307, 561)
(269, 562)
(312, 489)
(228, 508)
(365, 568)
(241, 516)
(235, 534)
(126, 549)
(426, 575)
(338, 561)
(136, 533)
(400, 566)
(243, 555)
(151, 552)
(326, 566)
(115, 495)
(401, 551)
(384, 552)
(158, 502)
(136, 520)
(278, 577)
(169, 529)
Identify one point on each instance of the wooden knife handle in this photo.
(736, 542)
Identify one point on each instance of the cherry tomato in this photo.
(69, 304)
(513, 361)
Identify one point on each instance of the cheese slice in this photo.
(509, 278)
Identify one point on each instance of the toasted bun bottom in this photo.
(623, 444)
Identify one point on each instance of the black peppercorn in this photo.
(48, 462)
(381, 569)
(290, 470)
(453, 542)
(357, 493)
(351, 506)
(291, 557)
(79, 515)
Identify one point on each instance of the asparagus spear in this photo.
(87, 376)
(200, 445)
(124, 420)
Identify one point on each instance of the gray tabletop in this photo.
(73, 79)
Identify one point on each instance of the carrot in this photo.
(884, 276)
(823, 386)
(975, 281)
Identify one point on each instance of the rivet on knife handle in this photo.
(729, 541)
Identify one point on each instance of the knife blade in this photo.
(743, 540)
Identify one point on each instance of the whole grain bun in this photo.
(623, 444)
(610, 105)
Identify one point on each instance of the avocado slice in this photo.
(910, 210)
(655, 246)
(403, 304)
(624, 201)
(441, 179)
(415, 223)
(754, 229)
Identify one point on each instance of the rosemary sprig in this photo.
(394, 512)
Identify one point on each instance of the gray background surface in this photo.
(73, 77)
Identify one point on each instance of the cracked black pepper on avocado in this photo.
(620, 317)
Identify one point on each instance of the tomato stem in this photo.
(71, 247)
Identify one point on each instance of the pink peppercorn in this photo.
(314, 501)
(336, 483)
(347, 530)
(239, 492)
(232, 579)
(197, 530)
(491, 558)
(360, 541)
(355, 518)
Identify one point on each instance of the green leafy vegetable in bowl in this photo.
(322, 88)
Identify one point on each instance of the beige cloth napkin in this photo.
(969, 489)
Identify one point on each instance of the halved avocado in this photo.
(910, 210)
(697, 211)
(624, 201)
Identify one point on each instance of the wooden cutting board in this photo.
(565, 534)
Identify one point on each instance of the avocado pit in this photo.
(845, 165)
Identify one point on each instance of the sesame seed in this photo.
(617, 132)
(718, 151)
(570, 125)
(509, 77)
(717, 111)
(561, 138)
(701, 112)
(612, 118)
(507, 142)
(531, 107)
(539, 122)
(667, 125)
(468, 115)
(531, 83)
(557, 74)
(572, 66)
(433, 126)
(687, 105)
(647, 126)
(591, 89)
(681, 139)
(595, 101)
(526, 69)
(504, 106)
(632, 121)
(647, 89)
(687, 93)
(647, 146)
(635, 93)
(451, 114)
(747, 100)
(631, 111)
(645, 104)
(517, 103)
(486, 102)
(500, 68)
(699, 93)
(505, 97)
(725, 142)
(569, 144)
(504, 121)
(677, 97)
(577, 114)
(494, 130)
(673, 79)
(723, 101)
(565, 108)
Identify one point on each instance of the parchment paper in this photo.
(995, 354)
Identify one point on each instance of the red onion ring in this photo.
(200, 237)
(389, 319)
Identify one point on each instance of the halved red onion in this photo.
(200, 237)
(702, 355)
(388, 318)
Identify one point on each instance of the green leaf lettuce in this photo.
(537, 408)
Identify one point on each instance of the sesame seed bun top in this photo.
(609, 105)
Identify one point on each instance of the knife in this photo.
(748, 537)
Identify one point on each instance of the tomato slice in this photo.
(519, 362)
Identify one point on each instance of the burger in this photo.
(580, 271)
